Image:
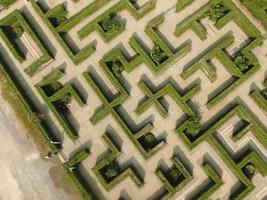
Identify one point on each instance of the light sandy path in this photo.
(24, 175)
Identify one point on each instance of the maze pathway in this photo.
(143, 99)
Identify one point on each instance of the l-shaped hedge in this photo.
(17, 17)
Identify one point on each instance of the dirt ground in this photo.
(24, 174)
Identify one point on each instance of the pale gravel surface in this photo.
(24, 175)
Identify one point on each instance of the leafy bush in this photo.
(157, 54)
(17, 30)
(243, 63)
(148, 141)
(216, 12)
(249, 170)
(110, 24)
(175, 176)
(117, 67)
(193, 126)
(111, 171)
(63, 106)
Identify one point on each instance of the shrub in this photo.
(193, 126)
(242, 62)
(216, 12)
(117, 68)
(63, 106)
(157, 54)
(175, 176)
(111, 171)
(17, 30)
(148, 141)
(110, 24)
(249, 170)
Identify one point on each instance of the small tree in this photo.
(64, 105)
(193, 125)
(117, 68)
(149, 141)
(216, 12)
(110, 24)
(249, 170)
(112, 170)
(175, 174)
(157, 54)
(17, 30)
(242, 62)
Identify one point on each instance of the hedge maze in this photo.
(143, 99)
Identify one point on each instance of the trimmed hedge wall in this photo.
(66, 25)
(60, 94)
(258, 9)
(111, 158)
(27, 107)
(72, 171)
(186, 178)
(235, 164)
(17, 17)
(120, 6)
(218, 51)
(182, 4)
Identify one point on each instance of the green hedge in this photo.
(258, 9)
(15, 87)
(37, 65)
(7, 2)
(181, 4)
(186, 178)
(120, 6)
(78, 157)
(110, 158)
(67, 89)
(217, 51)
(235, 164)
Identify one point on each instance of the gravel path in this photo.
(24, 175)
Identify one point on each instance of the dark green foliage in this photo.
(249, 170)
(216, 12)
(117, 68)
(148, 141)
(57, 15)
(157, 54)
(193, 126)
(17, 30)
(111, 171)
(243, 63)
(52, 88)
(110, 24)
(175, 176)
(63, 106)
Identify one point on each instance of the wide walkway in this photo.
(24, 175)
